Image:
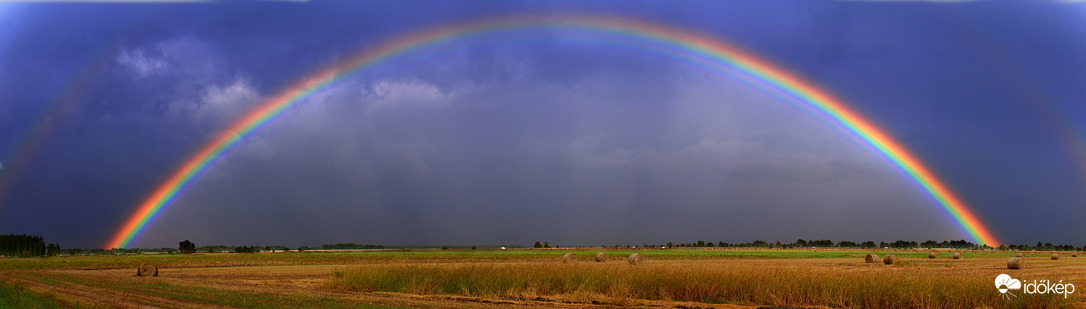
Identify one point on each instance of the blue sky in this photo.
(538, 137)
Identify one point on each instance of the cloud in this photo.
(487, 140)
(180, 59)
(931, 1)
(170, 74)
(221, 104)
(139, 63)
(118, 1)
(500, 160)
(407, 94)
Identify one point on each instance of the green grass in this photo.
(13, 296)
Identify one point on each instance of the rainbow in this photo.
(694, 45)
(29, 145)
(64, 103)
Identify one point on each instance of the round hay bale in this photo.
(601, 257)
(957, 255)
(1014, 263)
(889, 259)
(1074, 254)
(636, 259)
(1055, 256)
(1021, 255)
(932, 255)
(147, 269)
(871, 258)
(569, 258)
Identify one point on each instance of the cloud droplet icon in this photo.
(1004, 282)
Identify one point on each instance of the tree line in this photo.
(959, 244)
(26, 246)
(826, 243)
(29, 245)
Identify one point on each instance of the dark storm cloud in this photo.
(414, 164)
(507, 140)
(967, 107)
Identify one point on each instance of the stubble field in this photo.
(538, 278)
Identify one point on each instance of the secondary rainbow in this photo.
(698, 46)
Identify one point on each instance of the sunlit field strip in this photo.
(916, 282)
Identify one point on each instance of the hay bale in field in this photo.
(601, 257)
(1014, 263)
(1074, 254)
(957, 255)
(147, 269)
(636, 259)
(1021, 255)
(932, 255)
(871, 258)
(569, 258)
(889, 259)
(1055, 256)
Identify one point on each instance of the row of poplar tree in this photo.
(26, 245)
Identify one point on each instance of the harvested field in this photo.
(527, 278)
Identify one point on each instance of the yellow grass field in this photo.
(539, 278)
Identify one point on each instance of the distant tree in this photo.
(52, 249)
(186, 247)
(721, 244)
(709, 244)
(700, 244)
(538, 245)
(472, 247)
(247, 249)
(669, 244)
(901, 244)
(22, 245)
(546, 244)
(216, 249)
(868, 244)
(444, 247)
(801, 243)
(759, 244)
(350, 246)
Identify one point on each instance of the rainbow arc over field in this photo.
(696, 45)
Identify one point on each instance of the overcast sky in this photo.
(539, 137)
